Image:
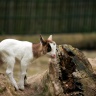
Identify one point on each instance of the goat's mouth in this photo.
(53, 56)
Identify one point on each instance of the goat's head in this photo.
(48, 46)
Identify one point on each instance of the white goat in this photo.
(24, 51)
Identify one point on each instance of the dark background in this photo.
(47, 16)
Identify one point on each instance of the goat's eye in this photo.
(48, 48)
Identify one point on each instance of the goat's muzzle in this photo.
(53, 56)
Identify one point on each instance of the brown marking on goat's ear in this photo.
(42, 40)
(50, 38)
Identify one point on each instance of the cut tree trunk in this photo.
(70, 74)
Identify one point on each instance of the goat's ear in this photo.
(50, 38)
(42, 40)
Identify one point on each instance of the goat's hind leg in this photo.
(10, 66)
(25, 80)
(22, 75)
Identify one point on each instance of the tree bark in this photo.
(70, 74)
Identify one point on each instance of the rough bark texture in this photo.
(70, 75)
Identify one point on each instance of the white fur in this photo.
(11, 50)
(53, 47)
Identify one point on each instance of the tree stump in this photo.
(70, 74)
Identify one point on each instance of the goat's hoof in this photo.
(21, 87)
(16, 88)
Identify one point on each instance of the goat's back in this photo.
(17, 49)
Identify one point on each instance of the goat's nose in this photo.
(53, 55)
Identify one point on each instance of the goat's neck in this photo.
(37, 50)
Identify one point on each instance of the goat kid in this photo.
(24, 51)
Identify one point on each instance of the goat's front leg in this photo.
(22, 75)
(10, 75)
(9, 71)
